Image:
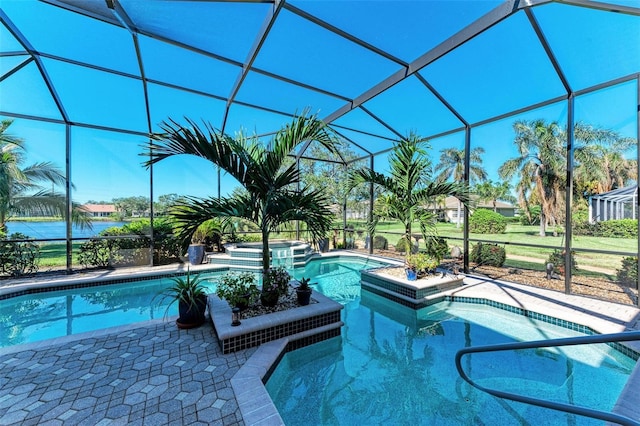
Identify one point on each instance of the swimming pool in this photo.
(40, 316)
(395, 365)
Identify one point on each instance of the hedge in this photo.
(484, 221)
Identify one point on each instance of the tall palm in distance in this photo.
(409, 191)
(29, 190)
(540, 167)
(270, 198)
(451, 167)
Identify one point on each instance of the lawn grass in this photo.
(55, 254)
(523, 234)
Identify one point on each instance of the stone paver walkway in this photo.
(144, 375)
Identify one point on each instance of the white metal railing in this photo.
(570, 341)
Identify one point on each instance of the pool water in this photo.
(41, 316)
(394, 365)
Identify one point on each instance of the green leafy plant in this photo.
(488, 254)
(276, 280)
(484, 221)
(189, 291)
(404, 245)
(380, 243)
(422, 263)
(628, 273)
(20, 257)
(304, 284)
(238, 289)
(437, 247)
(557, 258)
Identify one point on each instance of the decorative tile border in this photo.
(408, 293)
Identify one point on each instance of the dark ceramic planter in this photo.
(304, 297)
(269, 298)
(191, 316)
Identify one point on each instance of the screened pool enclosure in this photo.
(84, 83)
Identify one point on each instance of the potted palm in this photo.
(190, 293)
(304, 292)
(271, 193)
(408, 190)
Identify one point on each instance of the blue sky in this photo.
(503, 69)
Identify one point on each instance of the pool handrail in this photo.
(568, 341)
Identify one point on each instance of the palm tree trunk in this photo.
(543, 223)
(266, 256)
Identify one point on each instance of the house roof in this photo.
(452, 203)
(100, 208)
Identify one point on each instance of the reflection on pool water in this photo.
(395, 365)
(40, 316)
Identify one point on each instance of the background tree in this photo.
(131, 206)
(494, 192)
(332, 177)
(451, 167)
(164, 203)
(271, 197)
(30, 189)
(540, 167)
(409, 190)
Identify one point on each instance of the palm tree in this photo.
(270, 197)
(409, 190)
(451, 166)
(493, 192)
(541, 163)
(22, 189)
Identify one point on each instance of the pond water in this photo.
(57, 229)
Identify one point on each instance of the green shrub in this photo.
(621, 228)
(437, 247)
(403, 245)
(97, 253)
(628, 273)
(19, 258)
(380, 243)
(484, 221)
(488, 254)
(557, 258)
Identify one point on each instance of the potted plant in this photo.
(190, 293)
(304, 292)
(419, 265)
(239, 290)
(275, 283)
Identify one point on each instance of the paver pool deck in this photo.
(155, 374)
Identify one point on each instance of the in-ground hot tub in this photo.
(249, 255)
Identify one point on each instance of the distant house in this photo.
(450, 208)
(100, 210)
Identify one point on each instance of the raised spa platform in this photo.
(248, 256)
(415, 294)
(302, 326)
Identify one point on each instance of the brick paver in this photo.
(150, 375)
